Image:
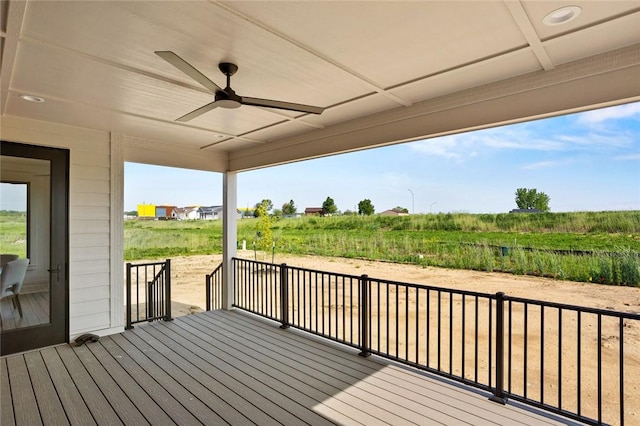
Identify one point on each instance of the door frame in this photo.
(57, 331)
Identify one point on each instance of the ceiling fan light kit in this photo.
(227, 97)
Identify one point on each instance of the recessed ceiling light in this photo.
(562, 15)
(31, 98)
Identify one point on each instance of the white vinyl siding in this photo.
(90, 274)
(89, 237)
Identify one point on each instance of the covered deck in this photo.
(231, 367)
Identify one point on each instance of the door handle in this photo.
(57, 270)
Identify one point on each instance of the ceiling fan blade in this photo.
(198, 112)
(282, 105)
(188, 69)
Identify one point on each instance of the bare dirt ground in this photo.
(188, 294)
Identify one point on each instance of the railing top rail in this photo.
(217, 268)
(607, 312)
(159, 263)
(379, 280)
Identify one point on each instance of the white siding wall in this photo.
(95, 280)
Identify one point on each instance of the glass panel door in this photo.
(33, 246)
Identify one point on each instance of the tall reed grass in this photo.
(600, 247)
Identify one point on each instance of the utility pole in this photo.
(413, 203)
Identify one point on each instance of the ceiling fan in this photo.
(227, 97)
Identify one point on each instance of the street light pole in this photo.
(431, 206)
(413, 203)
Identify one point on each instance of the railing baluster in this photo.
(364, 316)
(284, 293)
(406, 323)
(463, 342)
(498, 393)
(167, 291)
(417, 342)
(476, 343)
(579, 364)
(560, 358)
(439, 328)
(208, 292)
(542, 354)
(599, 368)
(450, 333)
(621, 365)
(128, 313)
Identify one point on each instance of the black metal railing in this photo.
(148, 292)
(570, 360)
(213, 289)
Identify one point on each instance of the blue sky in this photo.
(585, 162)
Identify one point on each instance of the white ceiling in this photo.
(386, 71)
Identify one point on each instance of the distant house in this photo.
(314, 211)
(164, 212)
(186, 213)
(394, 212)
(526, 211)
(210, 213)
(213, 213)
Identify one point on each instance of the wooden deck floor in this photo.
(231, 368)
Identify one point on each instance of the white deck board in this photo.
(230, 367)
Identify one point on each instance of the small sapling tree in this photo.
(264, 237)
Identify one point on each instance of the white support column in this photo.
(229, 235)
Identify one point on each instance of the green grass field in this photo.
(549, 244)
(13, 233)
(601, 247)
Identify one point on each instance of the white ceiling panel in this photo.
(393, 42)
(489, 71)
(600, 38)
(592, 13)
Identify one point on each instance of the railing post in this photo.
(208, 291)
(498, 392)
(167, 292)
(364, 315)
(128, 326)
(151, 300)
(284, 296)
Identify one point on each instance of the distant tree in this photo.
(348, 213)
(365, 207)
(329, 206)
(263, 207)
(532, 199)
(289, 208)
(131, 213)
(401, 209)
(277, 213)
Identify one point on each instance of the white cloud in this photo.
(612, 113)
(628, 157)
(446, 146)
(543, 165)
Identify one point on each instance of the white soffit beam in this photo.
(526, 27)
(139, 150)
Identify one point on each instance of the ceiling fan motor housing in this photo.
(228, 99)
